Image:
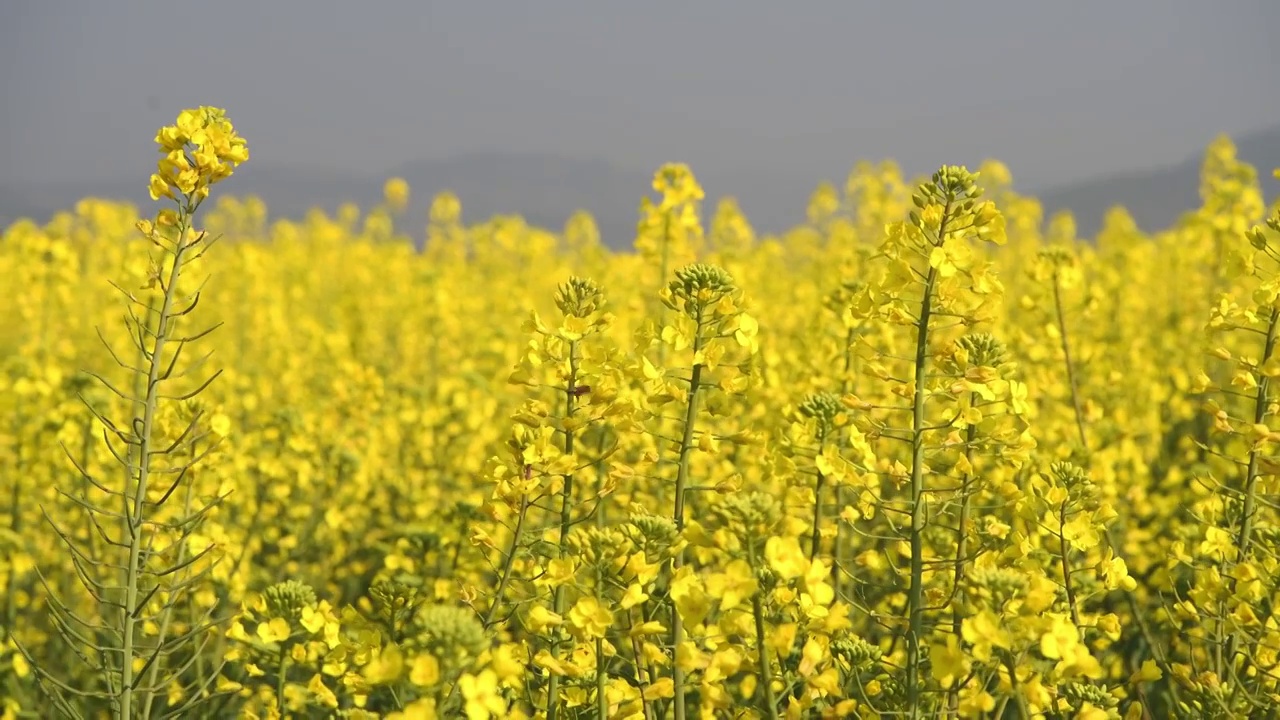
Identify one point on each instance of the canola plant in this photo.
(927, 455)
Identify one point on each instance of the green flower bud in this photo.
(823, 408)
(993, 587)
(855, 651)
(394, 601)
(1057, 255)
(653, 532)
(698, 287)
(1079, 693)
(1257, 238)
(288, 599)
(604, 549)
(579, 297)
(983, 349)
(1068, 474)
(451, 633)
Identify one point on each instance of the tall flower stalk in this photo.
(149, 564)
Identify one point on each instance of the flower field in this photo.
(928, 454)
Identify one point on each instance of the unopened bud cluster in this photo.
(949, 185)
(825, 409)
(288, 599)
(982, 349)
(580, 297)
(653, 532)
(697, 288)
(752, 512)
(449, 631)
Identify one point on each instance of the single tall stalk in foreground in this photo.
(705, 300)
(915, 592)
(153, 573)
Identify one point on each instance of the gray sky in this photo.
(1059, 90)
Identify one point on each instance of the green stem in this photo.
(682, 479)
(508, 563)
(166, 615)
(915, 594)
(762, 655)
(644, 676)
(1064, 551)
(566, 520)
(136, 516)
(602, 679)
(816, 542)
(1024, 711)
(602, 673)
(282, 680)
(962, 548)
(1244, 538)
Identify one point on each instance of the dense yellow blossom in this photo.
(928, 454)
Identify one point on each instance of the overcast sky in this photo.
(1059, 90)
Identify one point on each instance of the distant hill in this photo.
(546, 189)
(1157, 197)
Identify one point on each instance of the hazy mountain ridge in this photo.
(545, 189)
(1157, 197)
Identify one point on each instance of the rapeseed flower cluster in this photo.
(199, 150)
